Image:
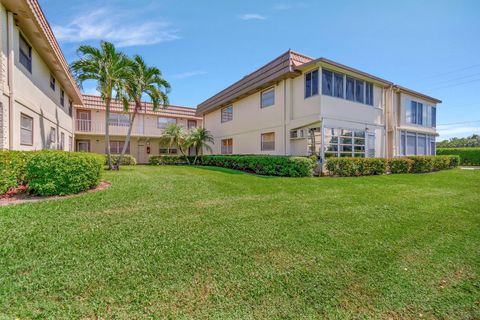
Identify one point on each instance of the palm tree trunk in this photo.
(127, 140)
(183, 153)
(196, 156)
(107, 134)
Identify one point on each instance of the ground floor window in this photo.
(268, 141)
(227, 146)
(26, 130)
(168, 150)
(416, 144)
(70, 143)
(116, 147)
(62, 141)
(347, 143)
(83, 145)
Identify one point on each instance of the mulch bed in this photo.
(20, 195)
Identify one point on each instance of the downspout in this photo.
(285, 116)
(385, 123)
(394, 127)
(11, 64)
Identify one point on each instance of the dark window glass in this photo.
(350, 89)
(419, 113)
(311, 84)
(413, 112)
(338, 85)
(434, 117)
(25, 54)
(327, 88)
(359, 86)
(268, 98)
(314, 83)
(369, 93)
(308, 85)
(227, 114)
(62, 97)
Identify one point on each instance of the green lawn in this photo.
(180, 242)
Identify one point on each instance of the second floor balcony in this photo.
(117, 128)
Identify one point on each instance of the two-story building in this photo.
(298, 105)
(147, 127)
(37, 89)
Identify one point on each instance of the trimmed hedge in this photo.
(61, 173)
(128, 160)
(468, 156)
(285, 166)
(13, 169)
(400, 165)
(423, 164)
(349, 167)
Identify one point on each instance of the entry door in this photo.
(371, 145)
(141, 152)
(84, 120)
(83, 145)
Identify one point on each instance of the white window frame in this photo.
(30, 130)
(263, 142)
(226, 149)
(271, 89)
(224, 116)
(319, 84)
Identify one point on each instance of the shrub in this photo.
(13, 169)
(468, 156)
(454, 161)
(61, 173)
(422, 164)
(348, 167)
(263, 165)
(127, 160)
(400, 165)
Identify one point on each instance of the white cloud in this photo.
(188, 74)
(252, 16)
(118, 27)
(457, 130)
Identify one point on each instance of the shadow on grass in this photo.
(233, 171)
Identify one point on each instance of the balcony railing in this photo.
(98, 127)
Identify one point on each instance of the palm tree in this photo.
(176, 135)
(108, 67)
(142, 80)
(199, 138)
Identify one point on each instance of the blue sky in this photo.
(203, 46)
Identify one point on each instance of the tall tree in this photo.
(199, 138)
(174, 134)
(109, 68)
(142, 80)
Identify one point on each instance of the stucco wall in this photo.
(32, 96)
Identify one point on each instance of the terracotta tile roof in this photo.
(280, 68)
(96, 103)
(28, 12)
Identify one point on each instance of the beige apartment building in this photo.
(298, 105)
(37, 89)
(147, 128)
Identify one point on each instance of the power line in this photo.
(456, 79)
(463, 122)
(452, 71)
(454, 85)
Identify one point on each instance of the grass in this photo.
(180, 242)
